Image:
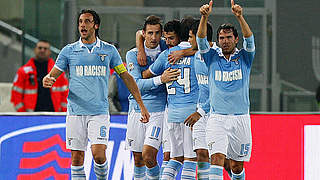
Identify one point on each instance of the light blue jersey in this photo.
(202, 77)
(154, 96)
(183, 93)
(88, 76)
(229, 79)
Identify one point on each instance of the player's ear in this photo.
(143, 33)
(96, 26)
(237, 40)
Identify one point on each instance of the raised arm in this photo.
(205, 11)
(141, 56)
(237, 11)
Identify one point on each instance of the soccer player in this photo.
(198, 120)
(144, 139)
(88, 62)
(182, 99)
(228, 128)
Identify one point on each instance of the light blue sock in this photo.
(77, 173)
(171, 170)
(216, 172)
(189, 170)
(240, 176)
(101, 170)
(164, 164)
(139, 173)
(153, 173)
(203, 170)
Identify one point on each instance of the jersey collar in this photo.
(96, 45)
(233, 54)
(184, 44)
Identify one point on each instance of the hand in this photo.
(236, 9)
(206, 9)
(48, 81)
(170, 75)
(175, 56)
(192, 119)
(142, 58)
(144, 115)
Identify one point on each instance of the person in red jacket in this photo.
(28, 94)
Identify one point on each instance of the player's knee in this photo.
(237, 167)
(149, 159)
(218, 159)
(202, 155)
(77, 158)
(99, 159)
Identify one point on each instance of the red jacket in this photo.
(25, 89)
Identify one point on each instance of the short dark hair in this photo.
(195, 26)
(227, 26)
(96, 18)
(173, 26)
(152, 20)
(185, 28)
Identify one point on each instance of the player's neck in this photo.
(89, 40)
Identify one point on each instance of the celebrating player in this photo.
(228, 128)
(88, 62)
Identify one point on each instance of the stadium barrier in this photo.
(32, 146)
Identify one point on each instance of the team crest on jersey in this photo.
(130, 66)
(236, 60)
(102, 56)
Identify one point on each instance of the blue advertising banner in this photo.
(33, 147)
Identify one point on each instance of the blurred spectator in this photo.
(118, 92)
(28, 94)
(318, 95)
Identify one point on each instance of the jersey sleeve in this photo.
(159, 66)
(249, 47)
(203, 45)
(116, 61)
(62, 60)
(135, 71)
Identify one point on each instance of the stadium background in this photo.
(285, 74)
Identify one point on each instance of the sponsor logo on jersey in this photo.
(202, 79)
(91, 70)
(228, 75)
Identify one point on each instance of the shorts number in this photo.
(185, 82)
(103, 132)
(155, 131)
(244, 149)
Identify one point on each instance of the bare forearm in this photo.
(189, 52)
(139, 41)
(132, 87)
(202, 30)
(246, 31)
(55, 72)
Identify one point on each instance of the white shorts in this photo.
(166, 145)
(181, 139)
(230, 135)
(199, 133)
(81, 128)
(139, 134)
